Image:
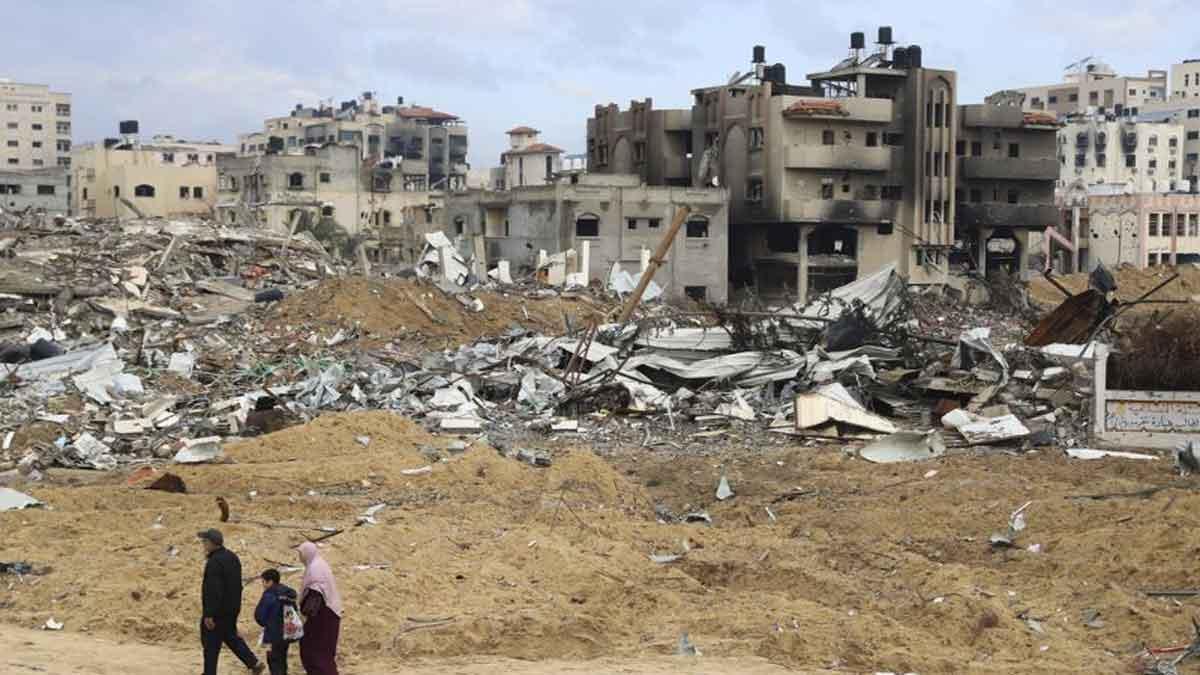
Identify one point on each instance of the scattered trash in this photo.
(723, 490)
(685, 647)
(51, 624)
(11, 500)
(1089, 453)
(905, 446)
(1016, 524)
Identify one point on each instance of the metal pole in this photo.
(655, 262)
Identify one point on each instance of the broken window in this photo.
(39, 162)
(12, 125)
(654, 223)
(64, 127)
(826, 188)
(295, 181)
(892, 193)
(36, 126)
(117, 191)
(460, 225)
(549, 167)
(13, 160)
(631, 223)
(1073, 98)
(198, 192)
(976, 195)
(64, 161)
(827, 137)
(13, 144)
(756, 137)
(639, 151)
(872, 139)
(1153, 141)
(1193, 225)
(1153, 225)
(37, 144)
(1130, 161)
(976, 148)
(326, 211)
(587, 225)
(697, 293)
(754, 190)
(1014, 196)
(1101, 159)
(937, 164)
(45, 189)
(143, 190)
(960, 148)
(1180, 225)
(63, 146)
(697, 227)
(870, 192)
(1014, 150)
(168, 158)
(893, 139)
(184, 192)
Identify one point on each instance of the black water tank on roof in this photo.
(900, 57)
(776, 73)
(110, 142)
(914, 56)
(760, 54)
(858, 40)
(128, 127)
(399, 100)
(885, 35)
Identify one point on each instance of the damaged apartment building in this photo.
(35, 155)
(426, 147)
(127, 178)
(364, 172)
(618, 216)
(855, 170)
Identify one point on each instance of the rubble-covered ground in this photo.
(820, 560)
(884, 479)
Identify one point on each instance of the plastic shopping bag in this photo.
(293, 626)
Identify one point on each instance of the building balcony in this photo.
(840, 210)
(841, 157)
(1006, 168)
(995, 214)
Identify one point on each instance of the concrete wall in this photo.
(1131, 229)
(98, 174)
(38, 189)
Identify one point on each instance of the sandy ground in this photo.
(29, 651)
(820, 562)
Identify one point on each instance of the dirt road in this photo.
(28, 651)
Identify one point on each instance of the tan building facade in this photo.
(1134, 156)
(1096, 87)
(528, 161)
(428, 146)
(35, 124)
(617, 215)
(1144, 230)
(1185, 81)
(125, 178)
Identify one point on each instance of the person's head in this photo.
(308, 552)
(270, 578)
(212, 540)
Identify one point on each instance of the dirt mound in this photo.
(1131, 284)
(388, 309)
(819, 561)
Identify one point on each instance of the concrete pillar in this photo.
(802, 268)
(1174, 237)
(981, 251)
(645, 258)
(1075, 238)
(585, 261)
(542, 258)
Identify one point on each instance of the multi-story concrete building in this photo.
(528, 161)
(1184, 113)
(617, 214)
(429, 146)
(1143, 229)
(1185, 81)
(36, 126)
(838, 177)
(1005, 184)
(36, 189)
(329, 190)
(1135, 156)
(1094, 85)
(124, 177)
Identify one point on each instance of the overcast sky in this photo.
(213, 69)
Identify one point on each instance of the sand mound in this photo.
(1131, 284)
(388, 309)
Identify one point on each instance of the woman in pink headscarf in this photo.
(321, 604)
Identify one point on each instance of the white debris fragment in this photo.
(199, 450)
(723, 490)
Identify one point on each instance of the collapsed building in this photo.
(35, 189)
(844, 175)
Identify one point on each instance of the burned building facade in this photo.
(1007, 171)
(830, 180)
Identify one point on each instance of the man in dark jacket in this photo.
(221, 594)
(269, 615)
